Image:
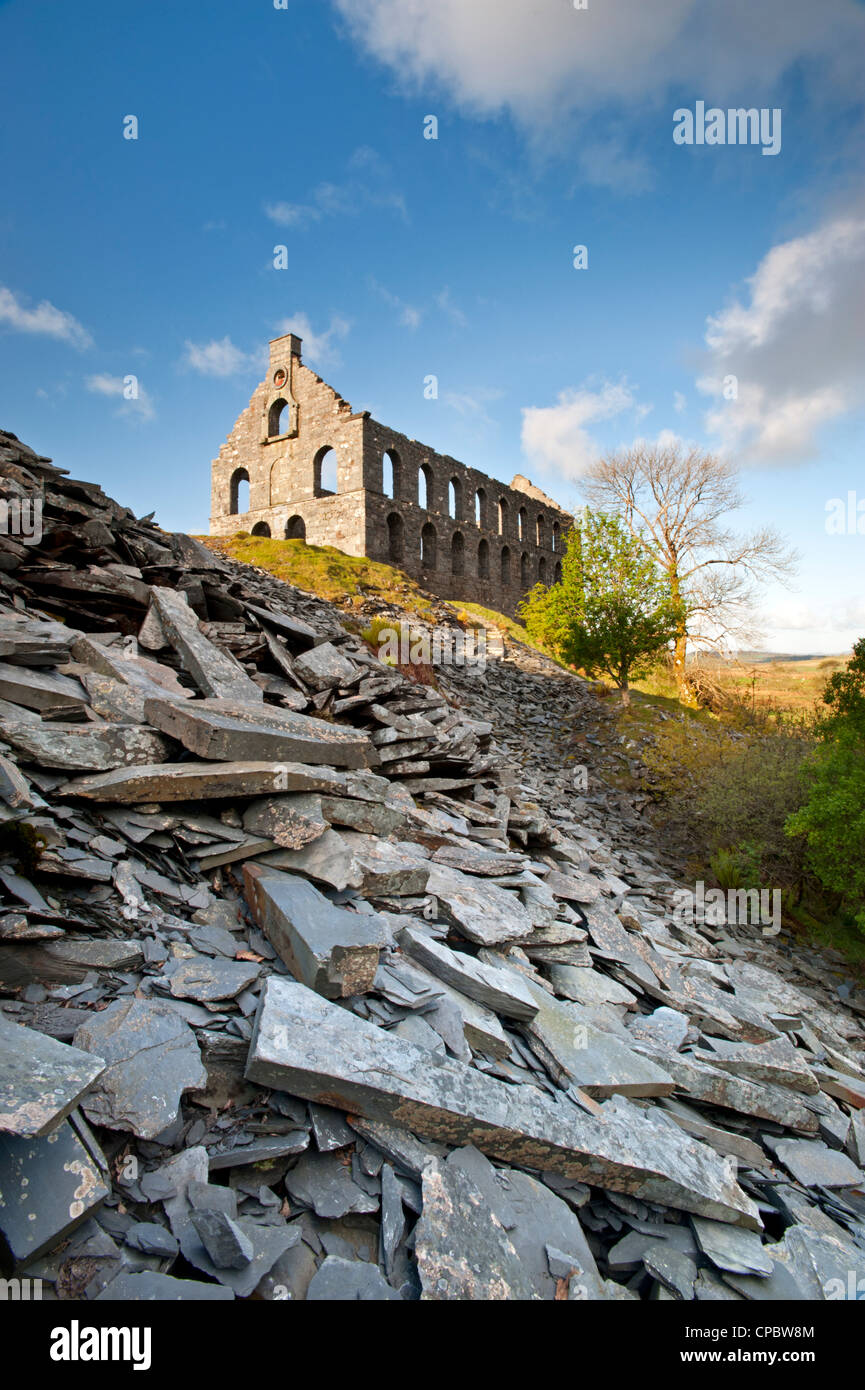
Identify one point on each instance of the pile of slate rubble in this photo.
(318, 983)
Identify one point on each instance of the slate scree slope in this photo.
(319, 984)
(301, 463)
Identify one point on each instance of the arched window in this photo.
(506, 565)
(295, 529)
(395, 538)
(455, 499)
(480, 507)
(542, 570)
(503, 516)
(278, 418)
(425, 487)
(556, 536)
(524, 570)
(540, 531)
(484, 560)
(261, 528)
(390, 474)
(428, 546)
(458, 553)
(557, 574)
(324, 472)
(239, 490)
(522, 516)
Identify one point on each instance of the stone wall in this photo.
(462, 534)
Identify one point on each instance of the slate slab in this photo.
(306, 1046)
(41, 1080)
(215, 672)
(151, 1060)
(348, 1281)
(191, 781)
(87, 747)
(205, 979)
(815, 1165)
(48, 1186)
(228, 731)
(480, 911)
(499, 989)
(328, 948)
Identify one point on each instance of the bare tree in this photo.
(676, 502)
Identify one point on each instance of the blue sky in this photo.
(304, 125)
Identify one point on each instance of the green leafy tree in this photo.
(612, 613)
(832, 820)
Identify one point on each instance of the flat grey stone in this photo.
(327, 859)
(41, 690)
(215, 672)
(676, 1271)
(587, 986)
(330, 1129)
(815, 1165)
(707, 1083)
(151, 1059)
(575, 1051)
(149, 1287)
(666, 1027)
(306, 1046)
(324, 667)
(732, 1248)
(199, 781)
(206, 978)
(87, 747)
(345, 1281)
(499, 989)
(41, 1080)
(232, 731)
(152, 1239)
(480, 911)
(324, 1183)
(48, 1186)
(226, 1244)
(328, 948)
(290, 821)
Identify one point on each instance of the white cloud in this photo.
(538, 61)
(317, 347)
(556, 437)
(409, 315)
(445, 302)
(798, 616)
(679, 402)
(134, 399)
(221, 358)
(46, 319)
(794, 346)
(368, 184)
(472, 403)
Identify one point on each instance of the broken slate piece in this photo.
(41, 1080)
(308, 1047)
(88, 747)
(328, 948)
(228, 731)
(324, 1183)
(346, 1281)
(222, 1238)
(150, 1287)
(731, 1248)
(480, 911)
(151, 1059)
(289, 821)
(215, 672)
(815, 1165)
(205, 978)
(499, 989)
(199, 781)
(48, 1186)
(324, 667)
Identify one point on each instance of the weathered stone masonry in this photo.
(461, 534)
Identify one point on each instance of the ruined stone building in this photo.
(301, 463)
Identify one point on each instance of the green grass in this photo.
(324, 571)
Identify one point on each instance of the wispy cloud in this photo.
(220, 357)
(410, 316)
(135, 402)
(45, 319)
(368, 184)
(318, 346)
(557, 436)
